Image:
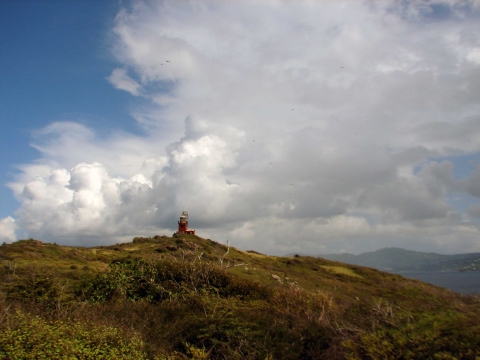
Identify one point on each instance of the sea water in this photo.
(464, 282)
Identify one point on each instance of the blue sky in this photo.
(56, 58)
(283, 126)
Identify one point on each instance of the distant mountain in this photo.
(398, 260)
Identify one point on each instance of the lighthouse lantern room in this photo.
(183, 224)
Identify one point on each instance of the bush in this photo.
(30, 337)
(431, 337)
(40, 286)
(154, 281)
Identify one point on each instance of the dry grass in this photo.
(342, 270)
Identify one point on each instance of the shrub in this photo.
(154, 281)
(435, 336)
(30, 337)
(39, 286)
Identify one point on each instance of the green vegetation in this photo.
(341, 270)
(31, 337)
(191, 298)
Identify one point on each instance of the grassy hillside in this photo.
(188, 297)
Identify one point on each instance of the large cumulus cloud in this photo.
(283, 126)
(84, 202)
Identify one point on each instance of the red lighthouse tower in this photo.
(183, 224)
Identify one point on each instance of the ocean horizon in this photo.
(463, 282)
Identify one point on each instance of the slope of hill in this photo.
(395, 259)
(188, 297)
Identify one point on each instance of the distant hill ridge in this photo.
(398, 260)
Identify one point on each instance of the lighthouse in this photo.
(183, 224)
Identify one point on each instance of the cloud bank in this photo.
(282, 126)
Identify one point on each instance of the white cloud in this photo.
(66, 144)
(82, 202)
(120, 80)
(284, 125)
(474, 56)
(7, 229)
(85, 201)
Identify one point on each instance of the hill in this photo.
(188, 297)
(398, 260)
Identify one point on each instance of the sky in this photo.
(306, 127)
